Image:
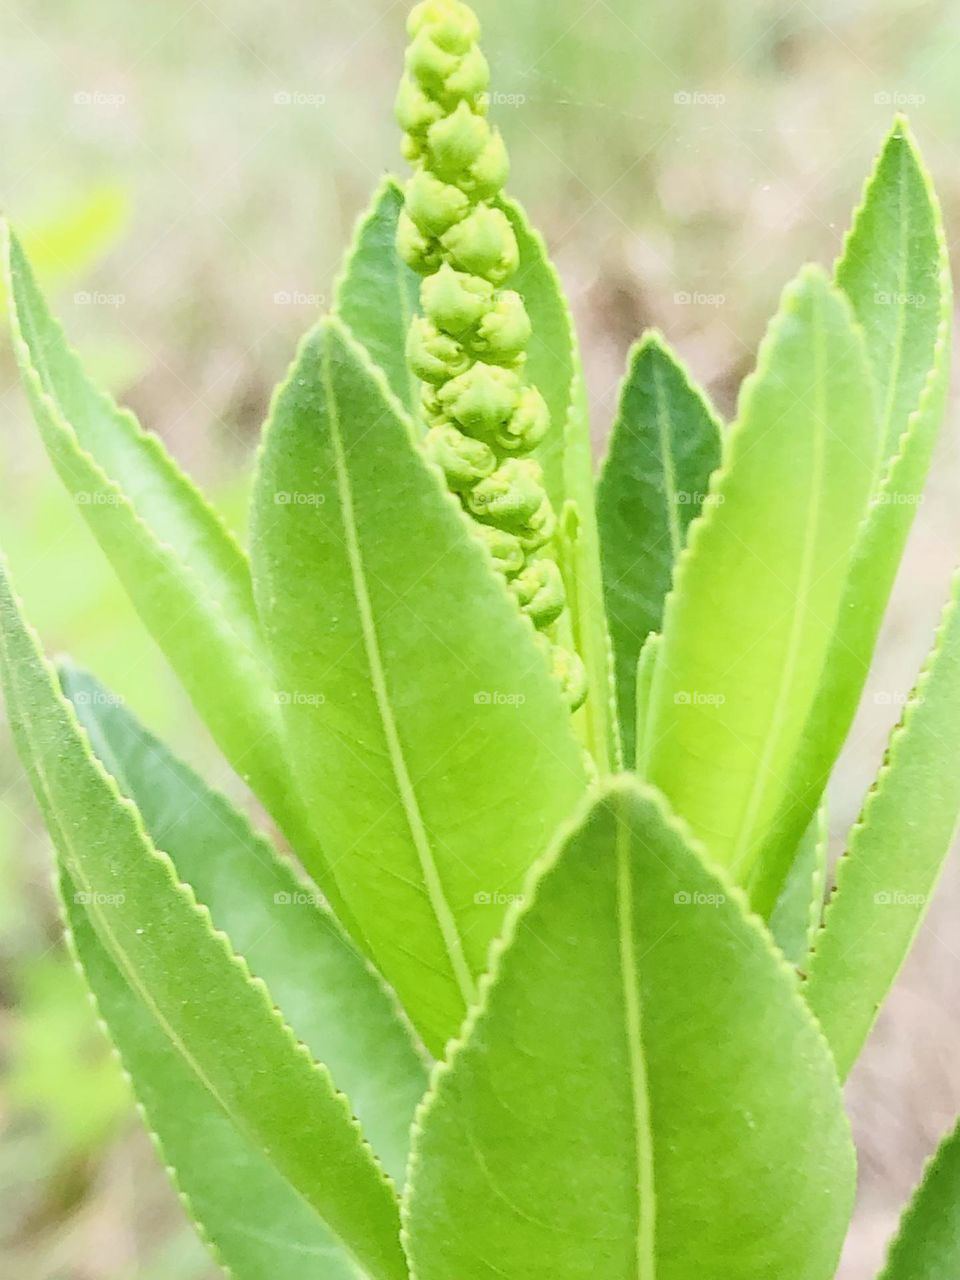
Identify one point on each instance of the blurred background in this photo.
(186, 176)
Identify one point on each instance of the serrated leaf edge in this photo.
(913, 1207)
(618, 786)
(186, 894)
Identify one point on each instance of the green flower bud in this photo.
(415, 112)
(510, 498)
(482, 400)
(463, 461)
(455, 301)
(488, 174)
(508, 555)
(428, 64)
(484, 245)
(504, 331)
(456, 141)
(434, 356)
(418, 251)
(572, 675)
(434, 206)
(540, 592)
(528, 425)
(454, 26)
(469, 80)
(539, 529)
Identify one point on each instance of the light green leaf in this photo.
(664, 447)
(896, 273)
(378, 295)
(219, 1029)
(553, 365)
(895, 855)
(927, 1246)
(641, 1091)
(796, 917)
(646, 666)
(330, 996)
(431, 741)
(749, 623)
(186, 576)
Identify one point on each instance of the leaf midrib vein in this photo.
(645, 1248)
(446, 922)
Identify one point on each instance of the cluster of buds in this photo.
(469, 346)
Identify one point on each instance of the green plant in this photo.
(548, 1017)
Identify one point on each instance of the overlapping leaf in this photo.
(378, 295)
(757, 590)
(927, 1246)
(895, 855)
(553, 365)
(327, 992)
(664, 447)
(896, 273)
(641, 1092)
(431, 740)
(184, 573)
(796, 917)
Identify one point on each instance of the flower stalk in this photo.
(469, 347)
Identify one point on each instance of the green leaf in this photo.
(566, 455)
(646, 666)
(330, 996)
(378, 295)
(664, 447)
(796, 917)
(927, 1246)
(757, 589)
(186, 576)
(895, 855)
(431, 741)
(896, 273)
(219, 1028)
(641, 1091)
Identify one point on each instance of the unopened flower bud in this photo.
(511, 497)
(483, 244)
(482, 400)
(504, 331)
(434, 356)
(454, 300)
(433, 205)
(419, 252)
(463, 461)
(488, 174)
(528, 425)
(456, 141)
(415, 111)
(508, 555)
(540, 592)
(453, 25)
